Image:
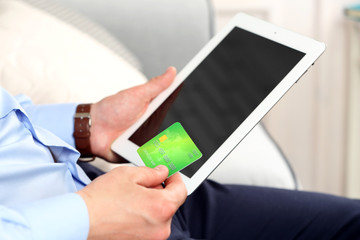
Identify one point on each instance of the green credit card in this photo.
(172, 147)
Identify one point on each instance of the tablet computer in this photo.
(224, 91)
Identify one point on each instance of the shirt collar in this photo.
(8, 103)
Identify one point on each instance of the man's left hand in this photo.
(114, 114)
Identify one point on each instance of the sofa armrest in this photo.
(159, 32)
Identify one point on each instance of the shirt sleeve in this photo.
(56, 118)
(60, 217)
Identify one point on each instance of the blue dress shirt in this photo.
(38, 172)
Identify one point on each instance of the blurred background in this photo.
(317, 122)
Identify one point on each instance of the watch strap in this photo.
(82, 125)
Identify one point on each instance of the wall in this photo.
(310, 122)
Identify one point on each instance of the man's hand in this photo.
(130, 203)
(114, 114)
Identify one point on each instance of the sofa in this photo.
(83, 50)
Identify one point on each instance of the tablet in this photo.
(224, 91)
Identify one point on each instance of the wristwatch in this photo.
(82, 125)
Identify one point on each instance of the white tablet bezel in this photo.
(312, 49)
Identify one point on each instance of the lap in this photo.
(217, 211)
(91, 171)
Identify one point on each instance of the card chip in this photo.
(163, 138)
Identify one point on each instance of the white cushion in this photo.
(53, 62)
(256, 161)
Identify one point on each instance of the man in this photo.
(46, 195)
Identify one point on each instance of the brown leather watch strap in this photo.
(82, 133)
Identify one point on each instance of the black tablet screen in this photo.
(222, 91)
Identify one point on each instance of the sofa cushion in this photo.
(51, 61)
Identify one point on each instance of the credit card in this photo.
(172, 147)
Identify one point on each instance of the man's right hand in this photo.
(130, 203)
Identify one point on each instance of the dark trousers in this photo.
(226, 212)
(216, 211)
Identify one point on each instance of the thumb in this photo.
(151, 177)
(158, 84)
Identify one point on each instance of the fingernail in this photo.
(160, 168)
(168, 69)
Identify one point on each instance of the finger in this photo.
(159, 187)
(151, 177)
(175, 185)
(158, 84)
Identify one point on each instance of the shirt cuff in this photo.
(60, 217)
(56, 118)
